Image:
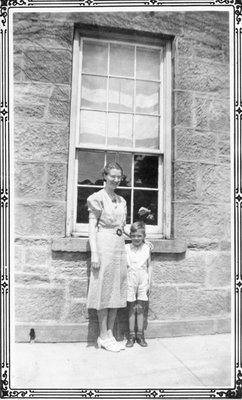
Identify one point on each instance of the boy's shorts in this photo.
(137, 285)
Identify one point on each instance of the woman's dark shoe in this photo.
(131, 340)
(141, 340)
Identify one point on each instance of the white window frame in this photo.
(163, 229)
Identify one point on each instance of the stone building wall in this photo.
(191, 287)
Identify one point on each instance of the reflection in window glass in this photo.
(146, 132)
(148, 64)
(94, 92)
(147, 97)
(121, 95)
(125, 160)
(148, 200)
(95, 57)
(146, 171)
(126, 194)
(120, 130)
(121, 60)
(82, 211)
(90, 167)
(92, 127)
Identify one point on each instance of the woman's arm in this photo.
(93, 242)
(149, 268)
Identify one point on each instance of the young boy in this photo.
(139, 280)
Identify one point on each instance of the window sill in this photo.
(71, 244)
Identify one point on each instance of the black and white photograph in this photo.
(121, 199)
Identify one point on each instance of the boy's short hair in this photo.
(139, 225)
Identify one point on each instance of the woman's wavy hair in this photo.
(109, 166)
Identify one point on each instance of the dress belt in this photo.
(118, 231)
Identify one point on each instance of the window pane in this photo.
(146, 171)
(148, 64)
(92, 127)
(121, 95)
(147, 97)
(120, 130)
(146, 132)
(94, 92)
(95, 57)
(90, 167)
(82, 211)
(149, 200)
(121, 60)
(125, 160)
(126, 194)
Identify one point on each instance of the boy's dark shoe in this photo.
(131, 340)
(141, 340)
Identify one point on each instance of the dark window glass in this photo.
(145, 171)
(90, 167)
(82, 212)
(126, 194)
(148, 200)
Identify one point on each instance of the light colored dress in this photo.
(108, 284)
(138, 260)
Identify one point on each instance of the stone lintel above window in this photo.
(81, 244)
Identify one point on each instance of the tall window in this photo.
(119, 114)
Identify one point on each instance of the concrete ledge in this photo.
(52, 333)
(81, 244)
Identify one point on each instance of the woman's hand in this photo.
(95, 261)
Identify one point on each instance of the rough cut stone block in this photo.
(39, 303)
(31, 279)
(208, 51)
(207, 221)
(207, 27)
(203, 76)
(183, 110)
(45, 33)
(183, 47)
(70, 264)
(198, 303)
(37, 141)
(179, 328)
(56, 181)
(32, 93)
(77, 312)
(163, 302)
(42, 219)
(48, 66)
(178, 274)
(185, 180)
(223, 325)
(219, 115)
(37, 256)
(192, 145)
(18, 258)
(29, 179)
(26, 112)
(224, 151)
(214, 183)
(17, 66)
(201, 112)
(59, 106)
(78, 288)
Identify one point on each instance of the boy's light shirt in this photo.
(137, 257)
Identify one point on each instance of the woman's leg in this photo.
(112, 312)
(103, 322)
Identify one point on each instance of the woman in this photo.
(108, 280)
